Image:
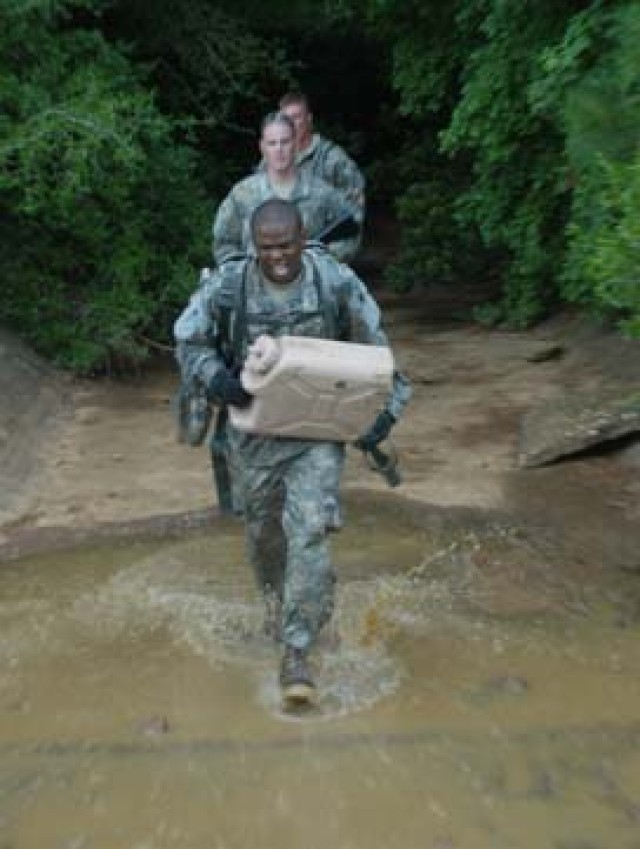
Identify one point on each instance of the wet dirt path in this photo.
(110, 456)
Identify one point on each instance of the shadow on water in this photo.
(471, 694)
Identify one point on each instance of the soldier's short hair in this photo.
(276, 118)
(276, 210)
(294, 96)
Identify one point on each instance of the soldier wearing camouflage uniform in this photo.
(319, 204)
(325, 160)
(289, 486)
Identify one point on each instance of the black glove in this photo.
(225, 387)
(377, 433)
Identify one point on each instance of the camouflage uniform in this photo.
(318, 203)
(289, 486)
(325, 160)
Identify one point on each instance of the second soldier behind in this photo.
(320, 205)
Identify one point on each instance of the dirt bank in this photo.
(77, 455)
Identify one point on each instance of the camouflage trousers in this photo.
(289, 508)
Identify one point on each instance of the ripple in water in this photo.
(216, 612)
(216, 623)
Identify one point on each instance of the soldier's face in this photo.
(279, 248)
(302, 121)
(278, 148)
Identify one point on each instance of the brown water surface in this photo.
(468, 699)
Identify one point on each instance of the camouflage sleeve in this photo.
(227, 229)
(344, 250)
(196, 333)
(366, 328)
(346, 176)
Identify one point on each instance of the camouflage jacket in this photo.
(319, 204)
(325, 160)
(329, 302)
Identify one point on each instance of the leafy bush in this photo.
(214, 71)
(602, 268)
(101, 214)
(434, 247)
(542, 101)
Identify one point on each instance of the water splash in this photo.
(350, 680)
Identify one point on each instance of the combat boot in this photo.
(296, 680)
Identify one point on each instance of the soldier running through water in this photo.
(286, 484)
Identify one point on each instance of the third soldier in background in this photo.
(323, 159)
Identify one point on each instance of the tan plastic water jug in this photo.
(313, 388)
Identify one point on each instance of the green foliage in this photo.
(465, 70)
(601, 118)
(214, 71)
(101, 214)
(516, 195)
(424, 211)
(533, 103)
(614, 264)
(510, 147)
(603, 271)
(433, 247)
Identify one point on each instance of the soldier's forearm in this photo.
(197, 361)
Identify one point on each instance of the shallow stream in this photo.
(471, 696)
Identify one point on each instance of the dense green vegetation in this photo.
(536, 105)
(504, 135)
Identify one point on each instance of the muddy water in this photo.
(470, 697)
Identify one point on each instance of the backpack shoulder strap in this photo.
(333, 304)
(231, 310)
